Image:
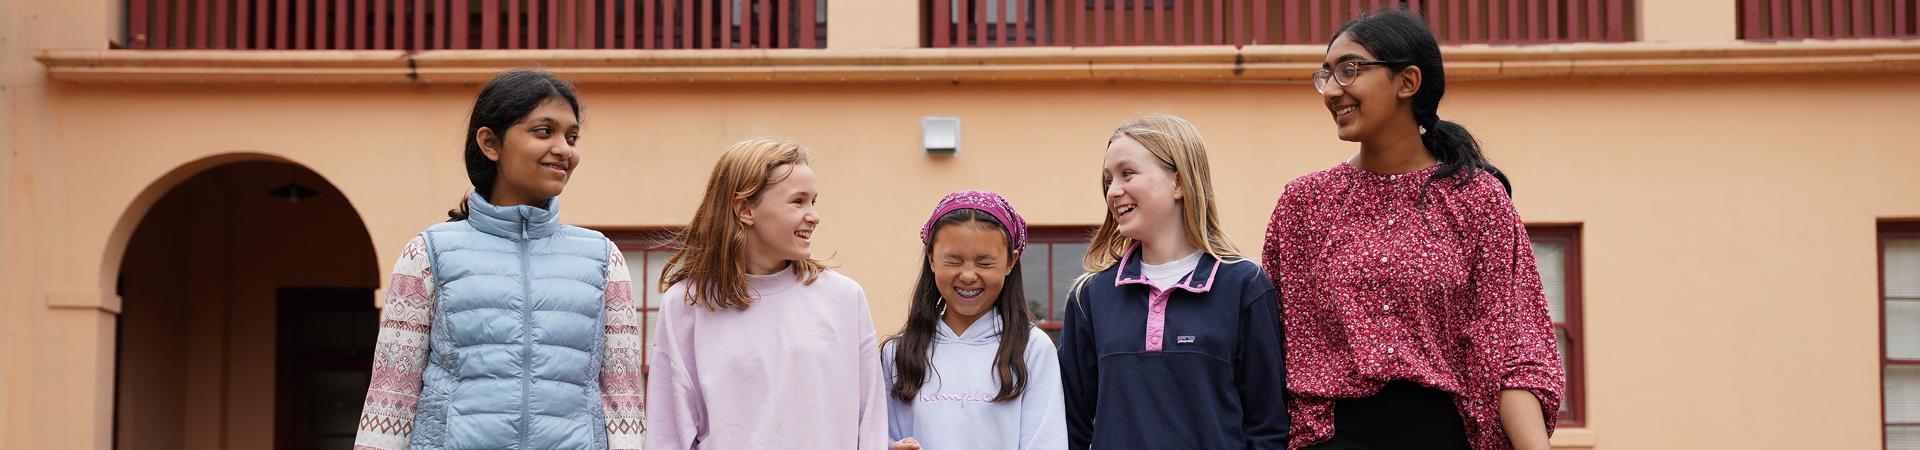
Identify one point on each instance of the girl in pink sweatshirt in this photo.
(758, 344)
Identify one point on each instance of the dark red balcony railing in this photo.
(989, 23)
(474, 24)
(1829, 19)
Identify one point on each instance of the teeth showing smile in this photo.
(1343, 111)
(968, 293)
(555, 167)
(1123, 210)
(804, 234)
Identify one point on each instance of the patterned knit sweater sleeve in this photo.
(400, 353)
(621, 391)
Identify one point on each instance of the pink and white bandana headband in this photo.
(986, 201)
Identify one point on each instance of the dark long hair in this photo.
(1400, 38)
(914, 343)
(504, 102)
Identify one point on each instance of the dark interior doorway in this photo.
(326, 358)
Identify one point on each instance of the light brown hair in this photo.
(1176, 144)
(713, 253)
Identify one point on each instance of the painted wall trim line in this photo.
(82, 299)
(1265, 63)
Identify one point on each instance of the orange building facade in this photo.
(1725, 212)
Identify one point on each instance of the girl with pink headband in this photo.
(994, 381)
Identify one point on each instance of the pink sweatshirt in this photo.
(798, 369)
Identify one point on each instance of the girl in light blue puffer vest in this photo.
(503, 328)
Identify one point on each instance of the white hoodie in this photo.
(954, 409)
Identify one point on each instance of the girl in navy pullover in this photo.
(1174, 340)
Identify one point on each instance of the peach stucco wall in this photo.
(1728, 220)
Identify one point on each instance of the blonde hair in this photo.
(712, 257)
(1176, 144)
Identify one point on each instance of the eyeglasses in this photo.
(1342, 73)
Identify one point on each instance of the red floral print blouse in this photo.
(1379, 284)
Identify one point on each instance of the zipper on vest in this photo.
(526, 320)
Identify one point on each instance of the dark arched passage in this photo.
(246, 315)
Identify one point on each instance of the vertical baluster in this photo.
(242, 23)
(534, 28)
(1859, 27)
(942, 25)
(1239, 23)
(1100, 8)
(980, 38)
(1833, 18)
(587, 30)
(1179, 21)
(221, 26)
(1553, 20)
(726, 23)
(1079, 20)
(1616, 21)
(609, 23)
(1513, 20)
(553, 24)
(180, 25)
(1453, 21)
(809, 15)
(1473, 32)
(1059, 17)
(963, 23)
(1159, 21)
(1139, 22)
(1314, 20)
(322, 24)
(139, 18)
(200, 14)
(490, 24)
(339, 20)
(766, 22)
(647, 17)
(300, 25)
(1023, 18)
(1219, 23)
(1594, 31)
(1260, 24)
(380, 27)
(1900, 17)
(706, 23)
(513, 25)
(627, 24)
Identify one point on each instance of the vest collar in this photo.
(1198, 281)
(513, 222)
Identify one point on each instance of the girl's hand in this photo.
(905, 444)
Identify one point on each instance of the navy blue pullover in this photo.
(1217, 381)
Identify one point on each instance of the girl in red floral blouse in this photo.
(1414, 314)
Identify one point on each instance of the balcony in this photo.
(420, 25)
(1005, 23)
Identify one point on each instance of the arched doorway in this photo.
(247, 317)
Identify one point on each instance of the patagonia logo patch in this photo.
(1183, 339)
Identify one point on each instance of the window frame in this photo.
(1574, 325)
(644, 239)
(1049, 235)
(1888, 230)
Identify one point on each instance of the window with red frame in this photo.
(1556, 251)
(646, 251)
(1900, 333)
(1048, 267)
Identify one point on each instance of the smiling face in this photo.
(1142, 195)
(780, 225)
(970, 263)
(1376, 100)
(536, 155)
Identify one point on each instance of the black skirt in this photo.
(1403, 415)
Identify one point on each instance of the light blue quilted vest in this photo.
(516, 337)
